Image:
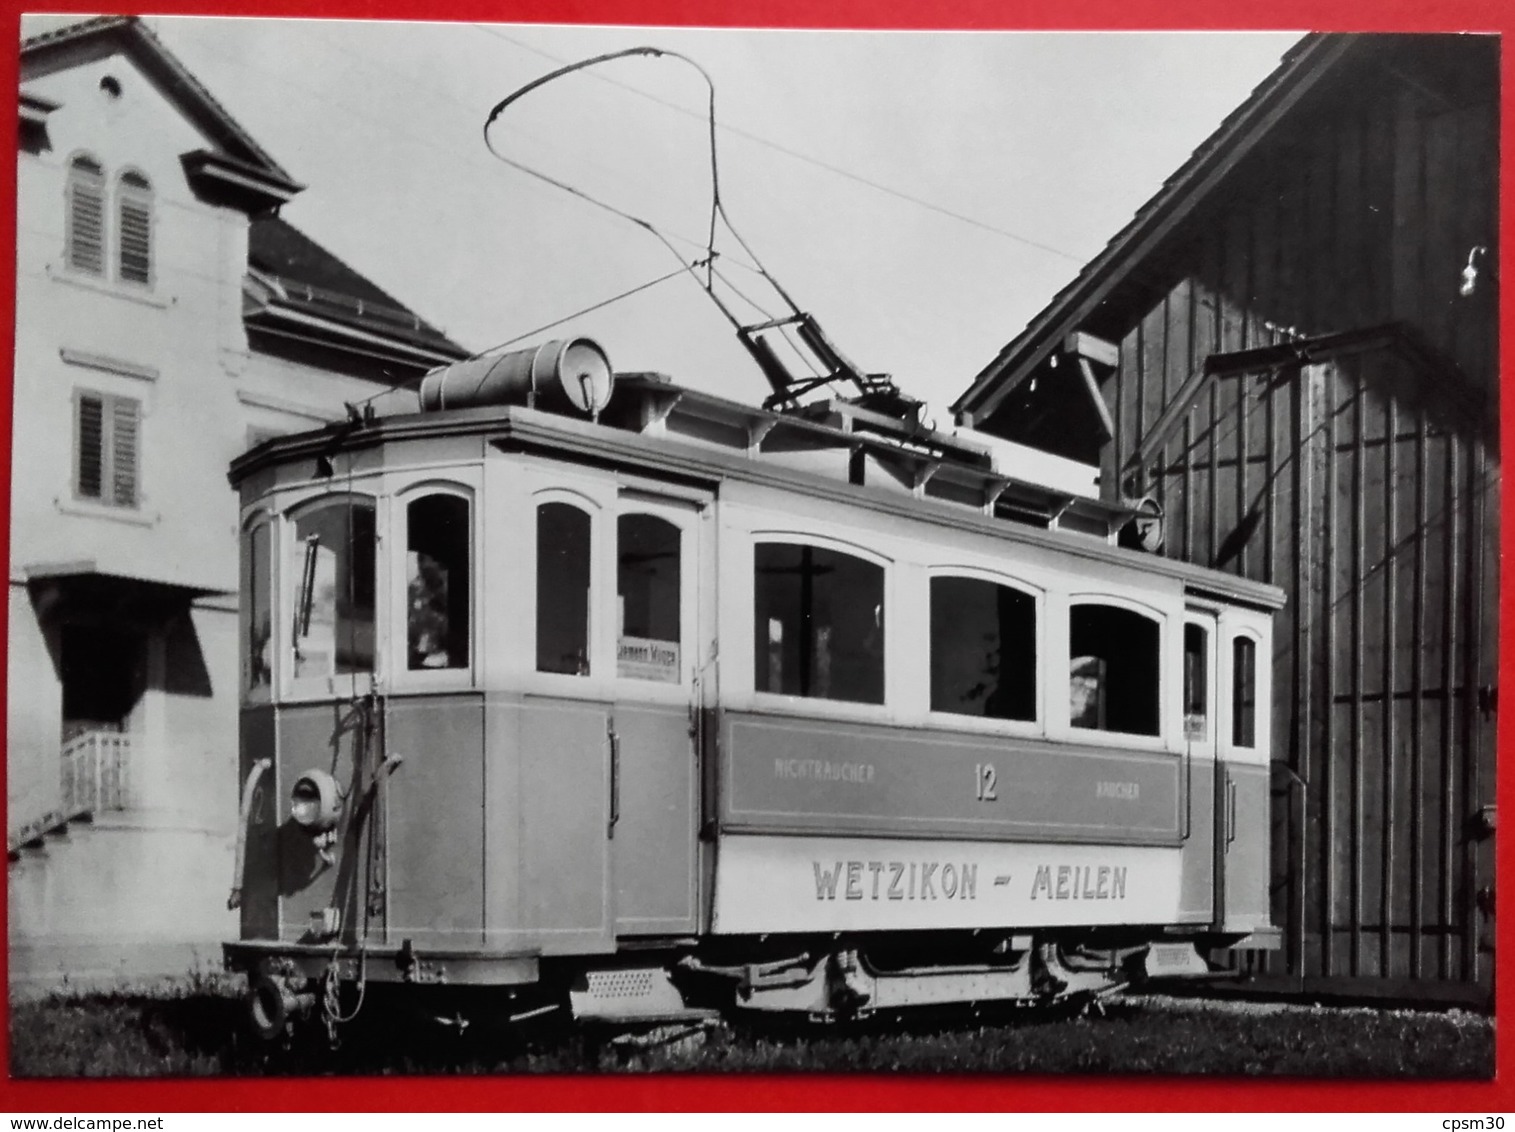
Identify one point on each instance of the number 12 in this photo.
(983, 782)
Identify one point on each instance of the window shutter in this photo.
(86, 216)
(91, 447)
(124, 452)
(134, 220)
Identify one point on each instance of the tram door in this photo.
(1201, 880)
(1243, 797)
(664, 658)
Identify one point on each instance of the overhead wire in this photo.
(717, 205)
(798, 155)
(718, 215)
(415, 383)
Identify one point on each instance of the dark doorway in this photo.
(104, 675)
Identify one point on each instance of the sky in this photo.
(922, 194)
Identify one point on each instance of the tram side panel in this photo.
(1048, 846)
(427, 883)
(654, 826)
(319, 881)
(819, 810)
(1197, 865)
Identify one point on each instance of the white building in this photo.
(166, 318)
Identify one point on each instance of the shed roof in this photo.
(1300, 70)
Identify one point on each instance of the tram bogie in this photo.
(696, 707)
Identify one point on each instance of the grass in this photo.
(195, 1028)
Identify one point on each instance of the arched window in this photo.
(332, 566)
(134, 221)
(563, 574)
(437, 583)
(819, 623)
(1114, 661)
(84, 229)
(983, 649)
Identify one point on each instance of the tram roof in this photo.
(663, 430)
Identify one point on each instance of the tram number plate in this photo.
(984, 781)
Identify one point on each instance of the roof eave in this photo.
(277, 313)
(239, 183)
(1185, 191)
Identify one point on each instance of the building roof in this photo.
(295, 287)
(301, 275)
(102, 36)
(1300, 70)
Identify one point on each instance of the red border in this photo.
(957, 1093)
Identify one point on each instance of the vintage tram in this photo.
(584, 692)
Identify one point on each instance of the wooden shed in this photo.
(1291, 354)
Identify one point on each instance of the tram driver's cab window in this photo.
(819, 623)
(1196, 683)
(983, 649)
(257, 608)
(333, 571)
(647, 598)
(563, 574)
(1244, 692)
(1113, 669)
(437, 582)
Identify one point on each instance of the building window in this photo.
(437, 582)
(648, 597)
(983, 649)
(563, 591)
(257, 608)
(134, 219)
(819, 623)
(1114, 660)
(106, 434)
(1244, 692)
(85, 221)
(332, 565)
(1196, 683)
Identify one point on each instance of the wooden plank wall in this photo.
(1344, 483)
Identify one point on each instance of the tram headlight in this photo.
(314, 802)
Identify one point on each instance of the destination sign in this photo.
(861, 884)
(646, 659)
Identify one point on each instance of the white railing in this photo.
(94, 776)
(95, 768)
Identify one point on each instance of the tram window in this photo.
(333, 560)
(1196, 683)
(819, 623)
(436, 580)
(1244, 692)
(647, 592)
(983, 649)
(257, 608)
(563, 545)
(1113, 669)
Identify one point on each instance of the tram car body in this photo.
(649, 704)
